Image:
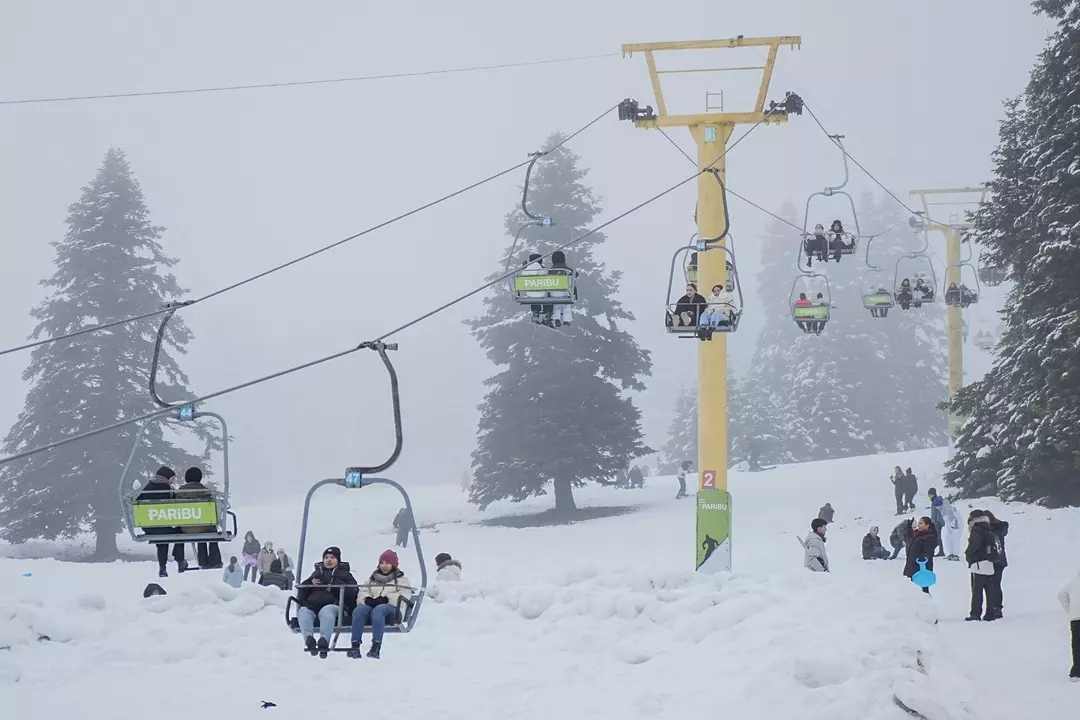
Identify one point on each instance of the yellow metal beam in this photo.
(736, 42)
(950, 191)
(701, 70)
(766, 78)
(655, 79)
(709, 119)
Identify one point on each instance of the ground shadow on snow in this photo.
(551, 517)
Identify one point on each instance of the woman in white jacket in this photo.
(381, 601)
(447, 568)
(1070, 600)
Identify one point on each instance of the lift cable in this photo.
(307, 256)
(376, 342)
(299, 83)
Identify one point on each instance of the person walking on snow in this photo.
(233, 575)
(826, 512)
(403, 523)
(922, 546)
(911, 489)
(250, 551)
(816, 560)
(265, 557)
(871, 546)
(448, 569)
(683, 469)
(1070, 601)
(898, 484)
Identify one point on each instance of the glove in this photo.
(370, 602)
(382, 600)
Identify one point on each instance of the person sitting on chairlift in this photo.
(837, 244)
(818, 325)
(193, 490)
(816, 245)
(967, 296)
(922, 292)
(319, 604)
(803, 302)
(688, 309)
(160, 488)
(564, 312)
(882, 310)
(903, 294)
(719, 309)
(541, 314)
(952, 295)
(383, 600)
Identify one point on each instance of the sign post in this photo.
(713, 525)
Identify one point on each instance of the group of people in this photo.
(332, 596)
(908, 296)
(260, 564)
(822, 245)
(550, 314)
(692, 310)
(166, 486)
(811, 324)
(961, 296)
(905, 488)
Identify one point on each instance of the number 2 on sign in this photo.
(708, 480)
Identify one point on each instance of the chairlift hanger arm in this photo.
(170, 310)
(537, 219)
(381, 348)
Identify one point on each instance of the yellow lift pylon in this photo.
(711, 132)
(954, 231)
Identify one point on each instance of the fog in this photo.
(245, 180)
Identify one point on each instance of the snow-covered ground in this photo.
(602, 619)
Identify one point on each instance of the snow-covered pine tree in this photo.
(682, 439)
(1020, 436)
(109, 265)
(558, 411)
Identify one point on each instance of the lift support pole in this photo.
(954, 234)
(711, 132)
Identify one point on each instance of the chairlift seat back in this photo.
(550, 282)
(813, 312)
(877, 300)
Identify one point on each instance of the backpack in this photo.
(995, 548)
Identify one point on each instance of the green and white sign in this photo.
(541, 283)
(814, 311)
(183, 514)
(713, 531)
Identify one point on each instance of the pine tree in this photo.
(558, 410)
(109, 265)
(1020, 436)
(682, 440)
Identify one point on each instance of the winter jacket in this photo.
(692, 305)
(265, 557)
(235, 576)
(826, 513)
(903, 531)
(980, 541)
(195, 492)
(393, 587)
(1070, 599)
(911, 484)
(1000, 530)
(935, 513)
(277, 580)
(251, 545)
(157, 489)
(923, 545)
(402, 521)
(315, 598)
(451, 571)
(870, 543)
(948, 514)
(286, 563)
(817, 560)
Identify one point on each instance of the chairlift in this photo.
(702, 320)
(984, 340)
(810, 302)
(849, 242)
(989, 274)
(875, 292)
(359, 478)
(914, 280)
(171, 518)
(961, 296)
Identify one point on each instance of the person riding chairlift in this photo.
(882, 310)
(688, 308)
(952, 295)
(816, 245)
(903, 294)
(803, 302)
(541, 314)
(720, 307)
(564, 312)
(967, 296)
(921, 292)
(837, 244)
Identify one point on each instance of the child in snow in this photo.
(233, 575)
(250, 551)
(319, 603)
(683, 469)
(871, 546)
(817, 560)
(383, 601)
(1070, 600)
(265, 558)
(448, 569)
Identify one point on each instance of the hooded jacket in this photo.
(922, 545)
(870, 543)
(1069, 598)
(251, 544)
(451, 571)
(1000, 528)
(157, 489)
(817, 560)
(826, 512)
(315, 598)
(235, 576)
(266, 557)
(393, 587)
(980, 541)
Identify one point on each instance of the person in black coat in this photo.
(921, 547)
(1000, 528)
(403, 523)
(193, 490)
(871, 546)
(980, 548)
(319, 603)
(911, 489)
(275, 578)
(159, 489)
(688, 309)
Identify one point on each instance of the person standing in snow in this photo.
(951, 530)
(233, 575)
(922, 546)
(871, 546)
(911, 489)
(250, 551)
(383, 602)
(637, 478)
(448, 569)
(1000, 528)
(403, 523)
(898, 483)
(265, 558)
(900, 536)
(980, 554)
(1070, 601)
(816, 560)
(826, 512)
(683, 469)
(274, 577)
(286, 568)
(937, 518)
(319, 602)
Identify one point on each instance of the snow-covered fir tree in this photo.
(1020, 437)
(559, 410)
(682, 437)
(110, 264)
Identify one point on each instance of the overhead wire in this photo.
(367, 344)
(309, 255)
(301, 83)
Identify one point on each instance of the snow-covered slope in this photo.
(597, 619)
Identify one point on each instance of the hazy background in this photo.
(245, 180)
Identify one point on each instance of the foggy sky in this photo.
(245, 180)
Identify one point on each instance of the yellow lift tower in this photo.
(953, 227)
(711, 132)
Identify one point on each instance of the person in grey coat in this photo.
(817, 560)
(826, 512)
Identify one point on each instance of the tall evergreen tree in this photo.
(110, 264)
(1020, 437)
(558, 410)
(682, 439)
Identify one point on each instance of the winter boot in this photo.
(162, 572)
(309, 645)
(354, 651)
(324, 648)
(181, 565)
(374, 651)
(971, 618)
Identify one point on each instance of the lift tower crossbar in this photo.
(711, 132)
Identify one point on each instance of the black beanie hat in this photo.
(442, 557)
(153, 589)
(275, 566)
(817, 523)
(333, 550)
(166, 472)
(193, 475)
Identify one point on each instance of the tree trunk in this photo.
(105, 549)
(564, 496)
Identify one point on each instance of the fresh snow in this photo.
(603, 618)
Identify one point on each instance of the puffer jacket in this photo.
(265, 557)
(1001, 531)
(315, 598)
(277, 580)
(870, 543)
(1069, 598)
(449, 571)
(393, 587)
(922, 545)
(817, 560)
(980, 541)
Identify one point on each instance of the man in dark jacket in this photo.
(871, 546)
(980, 548)
(995, 597)
(403, 523)
(921, 547)
(275, 577)
(911, 489)
(159, 489)
(319, 603)
(193, 490)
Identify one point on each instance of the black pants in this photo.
(682, 489)
(909, 500)
(997, 598)
(981, 584)
(209, 555)
(1075, 672)
(163, 554)
(900, 506)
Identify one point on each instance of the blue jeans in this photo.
(897, 546)
(327, 621)
(379, 615)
